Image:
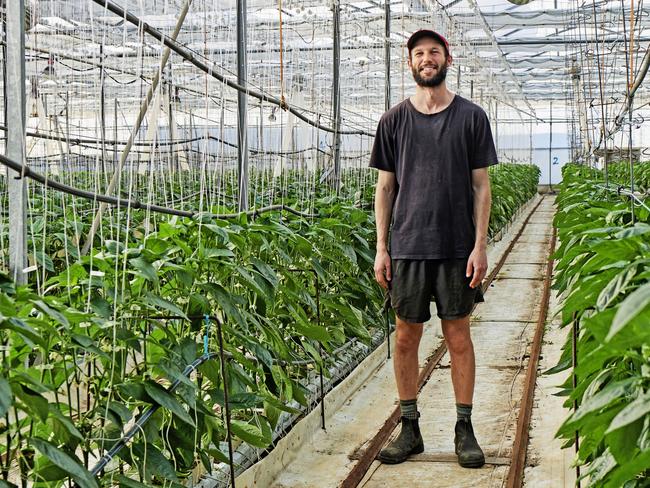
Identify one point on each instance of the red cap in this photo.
(417, 35)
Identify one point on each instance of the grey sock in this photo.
(463, 411)
(409, 408)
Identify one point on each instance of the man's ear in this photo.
(408, 61)
(450, 60)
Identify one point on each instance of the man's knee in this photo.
(407, 335)
(457, 337)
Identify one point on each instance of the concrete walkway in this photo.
(502, 328)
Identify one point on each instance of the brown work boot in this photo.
(409, 441)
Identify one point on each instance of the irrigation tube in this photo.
(120, 202)
(189, 56)
(137, 427)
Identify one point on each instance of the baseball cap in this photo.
(417, 35)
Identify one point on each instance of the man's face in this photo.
(428, 62)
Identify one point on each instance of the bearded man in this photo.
(433, 193)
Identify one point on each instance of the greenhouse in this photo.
(300, 244)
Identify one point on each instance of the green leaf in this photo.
(101, 307)
(159, 302)
(632, 306)
(33, 401)
(628, 471)
(615, 287)
(129, 483)
(65, 427)
(50, 312)
(622, 442)
(249, 433)
(600, 466)
(633, 411)
(609, 394)
(217, 253)
(64, 461)
(6, 396)
(639, 228)
(174, 373)
(266, 271)
(156, 463)
(167, 400)
(144, 269)
(44, 260)
(28, 333)
(225, 302)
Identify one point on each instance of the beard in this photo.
(435, 80)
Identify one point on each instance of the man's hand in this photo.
(382, 268)
(476, 266)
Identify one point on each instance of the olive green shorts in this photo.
(417, 282)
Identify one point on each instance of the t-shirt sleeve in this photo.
(484, 153)
(383, 150)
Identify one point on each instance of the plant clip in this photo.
(206, 319)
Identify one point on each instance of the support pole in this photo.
(242, 122)
(531, 142)
(15, 150)
(336, 95)
(550, 145)
(496, 126)
(631, 155)
(136, 127)
(102, 107)
(387, 55)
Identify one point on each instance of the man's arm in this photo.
(384, 197)
(477, 262)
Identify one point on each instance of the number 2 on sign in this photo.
(555, 160)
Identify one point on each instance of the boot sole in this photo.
(472, 464)
(416, 450)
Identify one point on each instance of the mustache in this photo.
(432, 66)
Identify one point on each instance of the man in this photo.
(432, 151)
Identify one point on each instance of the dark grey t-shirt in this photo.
(432, 157)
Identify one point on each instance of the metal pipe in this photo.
(602, 94)
(242, 119)
(336, 94)
(15, 149)
(387, 55)
(550, 146)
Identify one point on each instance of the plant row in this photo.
(603, 272)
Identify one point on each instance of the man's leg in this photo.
(461, 351)
(405, 363)
(405, 358)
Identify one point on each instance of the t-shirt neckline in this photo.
(412, 107)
